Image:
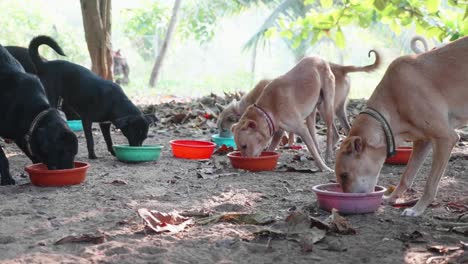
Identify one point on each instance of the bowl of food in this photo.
(265, 162)
(192, 149)
(143, 153)
(228, 141)
(401, 157)
(40, 175)
(331, 196)
(75, 125)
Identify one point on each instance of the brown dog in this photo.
(421, 98)
(231, 113)
(291, 98)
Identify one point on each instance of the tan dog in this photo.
(232, 112)
(289, 100)
(422, 98)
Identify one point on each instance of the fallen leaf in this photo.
(414, 237)
(95, 239)
(164, 222)
(340, 224)
(118, 182)
(238, 218)
(389, 190)
(442, 249)
(223, 150)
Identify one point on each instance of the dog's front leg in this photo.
(303, 132)
(87, 127)
(105, 129)
(276, 139)
(6, 178)
(420, 150)
(442, 147)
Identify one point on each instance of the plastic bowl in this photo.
(41, 176)
(137, 154)
(228, 141)
(331, 196)
(75, 125)
(192, 149)
(401, 157)
(265, 162)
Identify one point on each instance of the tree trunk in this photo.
(162, 51)
(97, 17)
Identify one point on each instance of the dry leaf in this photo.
(118, 182)
(164, 222)
(340, 224)
(442, 249)
(99, 239)
(238, 218)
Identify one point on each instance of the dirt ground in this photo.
(33, 218)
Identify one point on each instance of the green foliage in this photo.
(429, 17)
(32, 20)
(144, 25)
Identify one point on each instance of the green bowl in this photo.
(137, 154)
(75, 125)
(229, 142)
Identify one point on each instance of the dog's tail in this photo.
(34, 49)
(368, 68)
(414, 45)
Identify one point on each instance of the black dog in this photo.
(27, 118)
(93, 98)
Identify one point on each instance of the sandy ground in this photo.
(33, 218)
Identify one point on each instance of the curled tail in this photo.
(414, 45)
(368, 68)
(34, 49)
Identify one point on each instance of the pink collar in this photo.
(271, 125)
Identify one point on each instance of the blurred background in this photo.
(209, 51)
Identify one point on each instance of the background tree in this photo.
(167, 39)
(97, 26)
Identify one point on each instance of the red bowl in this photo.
(401, 157)
(192, 149)
(41, 176)
(331, 196)
(265, 162)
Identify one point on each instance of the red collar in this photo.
(271, 125)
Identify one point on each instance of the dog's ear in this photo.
(121, 122)
(152, 119)
(252, 124)
(354, 145)
(220, 107)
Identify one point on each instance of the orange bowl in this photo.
(41, 176)
(192, 149)
(401, 157)
(265, 162)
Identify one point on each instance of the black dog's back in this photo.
(8, 62)
(22, 56)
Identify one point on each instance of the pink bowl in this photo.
(331, 196)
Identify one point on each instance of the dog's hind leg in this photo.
(276, 139)
(304, 133)
(420, 150)
(6, 178)
(87, 127)
(310, 121)
(442, 147)
(328, 95)
(105, 129)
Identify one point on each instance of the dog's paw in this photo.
(411, 212)
(92, 156)
(389, 200)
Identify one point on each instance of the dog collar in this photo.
(386, 128)
(271, 125)
(32, 127)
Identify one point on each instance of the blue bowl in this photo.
(229, 142)
(75, 125)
